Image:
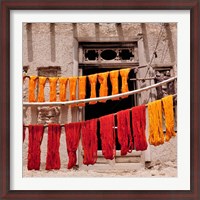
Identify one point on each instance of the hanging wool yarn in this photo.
(169, 116)
(35, 139)
(114, 81)
(93, 80)
(82, 88)
(41, 82)
(53, 144)
(124, 75)
(156, 136)
(124, 131)
(53, 83)
(31, 89)
(72, 132)
(103, 91)
(24, 132)
(107, 133)
(72, 88)
(63, 85)
(139, 126)
(89, 141)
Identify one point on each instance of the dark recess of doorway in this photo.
(100, 109)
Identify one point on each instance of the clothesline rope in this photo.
(100, 98)
(62, 125)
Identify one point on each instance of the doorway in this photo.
(101, 109)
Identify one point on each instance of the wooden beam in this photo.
(52, 42)
(145, 42)
(107, 39)
(97, 31)
(170, 42)
(29, 41)
(119, 31)
(75, 32)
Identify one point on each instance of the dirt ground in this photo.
(154, 169)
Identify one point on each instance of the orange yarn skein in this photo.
(53, 82)
(103, 91)
(156, 136)
(63, 85)
(82, 88)
(42, 81)
(169, 116)
(124, 75)
(32, 84)
(72, 86)
(114, 81)
(93, 80)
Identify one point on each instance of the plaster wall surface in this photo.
(46, 44)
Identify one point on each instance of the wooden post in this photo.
(81, 117)
(143, 97)
(74, 110)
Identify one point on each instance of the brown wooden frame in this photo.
(7, 6)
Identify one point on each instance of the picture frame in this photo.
(7, 6)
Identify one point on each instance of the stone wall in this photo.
(54, 44)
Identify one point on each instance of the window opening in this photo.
(104, 52)
(49, 71)
(91, 55)
(126, 54)
(168, 88)
(108, 54)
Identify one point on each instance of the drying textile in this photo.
(93, 80)
(82, 88)
(103, 91)
(24, 132)
(53, 84)
(89, 141)
(169, 116)
(53, 144)
(41, 82)
(124, 75)
(72, 88)
(124, 131)
(31, 89)
(35, 139)
(72, 132)
(139, 126)
(107, 133)
(156, 136)
(114, 81)
(63, 85)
